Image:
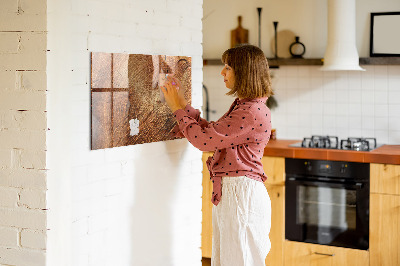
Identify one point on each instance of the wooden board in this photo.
(239, 35)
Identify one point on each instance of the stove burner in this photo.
(328, 142)
(332, 142)
(358, 144)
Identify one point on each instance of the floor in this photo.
(206, 261)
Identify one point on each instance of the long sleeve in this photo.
(193, 113)
(230, 131)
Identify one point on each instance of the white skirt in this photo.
(241, 223)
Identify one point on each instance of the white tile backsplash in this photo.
(394, 112)
(381, 97)
(292, 82)
(342, 96)
(354, 80)
(329, 109)
(394, 123)
(342, 123)
(381, 71)
(382, 136)
(394, 82)
(381, 110)
(381, 83)
(367, 110)
(394, 97)
(367, 96)
(345, 103)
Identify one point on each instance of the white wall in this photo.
(23, 133)
(311, 102)
(135, 205)
(306, 19)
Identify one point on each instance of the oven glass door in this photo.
(327, 207)
(326, 213)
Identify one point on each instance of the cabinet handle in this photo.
(324, 254)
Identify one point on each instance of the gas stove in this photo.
(332, 142)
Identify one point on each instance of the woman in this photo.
(242, 211)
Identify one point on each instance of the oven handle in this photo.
(357, 185)
(324, 254)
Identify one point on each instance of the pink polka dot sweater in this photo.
(238, 139)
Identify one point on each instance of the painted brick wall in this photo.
(136, 205)
(23, 133)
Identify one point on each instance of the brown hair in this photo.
(250, 66)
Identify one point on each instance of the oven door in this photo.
(327, 213)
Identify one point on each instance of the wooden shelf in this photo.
(380, 61)
(274, 63)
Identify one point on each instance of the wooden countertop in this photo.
(389, 154)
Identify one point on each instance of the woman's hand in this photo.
(174, 94)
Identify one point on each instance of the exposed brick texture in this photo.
(107, 207)
(23, 132)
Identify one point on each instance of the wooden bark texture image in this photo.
(127, 104)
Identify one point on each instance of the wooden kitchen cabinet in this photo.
(385, 215)
(305, 254)
(274, 168)
(277, 233)
(385, 178)
(384, 236)
(206, 225)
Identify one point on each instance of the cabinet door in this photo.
(277, 233)
(384, 230)
(385, 178)
(206, 226)
(304, 254)
(274, 168)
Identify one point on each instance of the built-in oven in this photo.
(327, 202)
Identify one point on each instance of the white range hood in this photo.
(341, 51)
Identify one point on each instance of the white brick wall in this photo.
(33, 239)
(136, 205)
(9, 237)
(22, 132)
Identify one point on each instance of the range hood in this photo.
(341, 51)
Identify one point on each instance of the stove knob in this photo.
(343, 168)
(308, 166)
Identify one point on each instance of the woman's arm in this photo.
(195, 114)
(239, 127)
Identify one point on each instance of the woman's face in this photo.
(229, 76)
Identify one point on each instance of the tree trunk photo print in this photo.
(127, 104)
